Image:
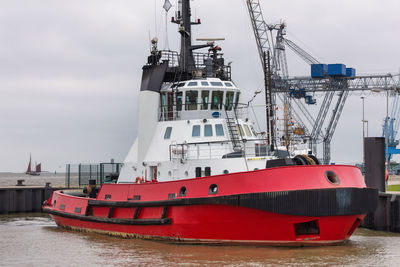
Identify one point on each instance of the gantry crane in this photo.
(390, 129)
(271, 39)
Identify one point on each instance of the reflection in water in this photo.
(36, 240)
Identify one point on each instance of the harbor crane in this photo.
(270, 38)
(390, 129)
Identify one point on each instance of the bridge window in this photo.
(208, 130)
(205, 95)
(176, 85)
(240, 129)
(228, 84)
(216, 83)
(247, 130)
(219, 130)
(192, 84)
(205, 84)
(163, 99)
(254, 131)
(216, 101)
(179, 98)
(229, 100)
(191, 100)
(167, 134)
(196, 131)
(237, 99)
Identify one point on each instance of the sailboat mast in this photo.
(29, 165)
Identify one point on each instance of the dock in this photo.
(386, 217)
(24, 199)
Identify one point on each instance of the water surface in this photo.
(35, 240)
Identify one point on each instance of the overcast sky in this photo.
(70, 70)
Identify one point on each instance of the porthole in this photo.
(182, 191)
(226, 171)
(186, 173)
(213, 189)
(332, 177)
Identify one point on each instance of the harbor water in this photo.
(35, 240)
(55, 180)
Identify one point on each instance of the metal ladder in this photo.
(234, 134)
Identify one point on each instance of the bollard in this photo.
(20, 182)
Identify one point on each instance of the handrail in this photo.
(218, 149)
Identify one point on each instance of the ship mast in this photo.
(183, 19)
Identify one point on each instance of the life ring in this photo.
(386, 175)
(138, 180)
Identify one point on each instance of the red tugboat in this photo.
(198, 172)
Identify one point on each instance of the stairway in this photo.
(234, 134)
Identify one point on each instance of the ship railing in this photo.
(78, 175)
(200, 59)
(188, 112)
(254, 148)
(171, 56)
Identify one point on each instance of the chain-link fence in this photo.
(78, 175)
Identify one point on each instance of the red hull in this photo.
(162, 214)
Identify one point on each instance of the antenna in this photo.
(210, 39)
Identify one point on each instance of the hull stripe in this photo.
(162, 221)
(318, 202)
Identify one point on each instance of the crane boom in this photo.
(260, 28)
(301, 52)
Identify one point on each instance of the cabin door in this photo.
(153, 173)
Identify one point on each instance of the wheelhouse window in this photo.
(229, 100)
(167, 134)
(163, 104)
(178, 85)
(205, 95)
(163, 99)
(196, 131)
(240, 129)
(253, 131)
(179, 98)
(216, 101)
(208, 130)
(216, 84)
(237, 99)
(192, 84)
(227, 84)
(247, 130)
(191, 100)
(219, 130)
(205, 84)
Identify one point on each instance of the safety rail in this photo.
(184, 112)
(200, 60)
(254, 148)
(80, 174)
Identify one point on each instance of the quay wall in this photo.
(386, 217)
(20, 199)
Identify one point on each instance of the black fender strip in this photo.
(163, 221)
(316, 202)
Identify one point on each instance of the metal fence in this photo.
(78, 175)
